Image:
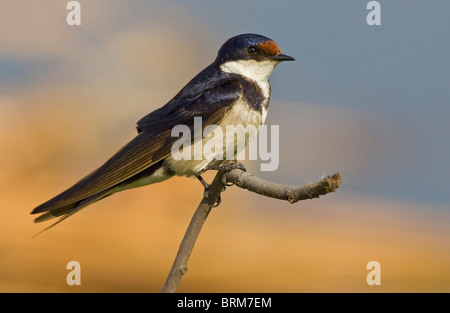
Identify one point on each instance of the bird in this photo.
(233, 90)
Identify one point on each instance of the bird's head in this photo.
(251, 55)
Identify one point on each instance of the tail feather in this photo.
(59, 221)
(55, 213)
(68, 210)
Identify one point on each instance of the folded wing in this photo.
(152, 144)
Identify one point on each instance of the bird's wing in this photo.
(210, 101)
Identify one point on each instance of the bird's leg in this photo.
(227, 167)
(206, 192)
(203, 182)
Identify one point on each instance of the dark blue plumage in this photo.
(227, 91)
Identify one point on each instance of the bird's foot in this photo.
(225, 169)
(228, 167)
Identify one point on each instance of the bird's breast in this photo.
(229, 137)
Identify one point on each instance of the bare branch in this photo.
(246, 181)
(184, 252)
(292, 194)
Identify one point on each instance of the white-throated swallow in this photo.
(233, 90)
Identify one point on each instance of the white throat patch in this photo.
(254, 70)
(259, 72)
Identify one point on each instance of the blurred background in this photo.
(370, 102)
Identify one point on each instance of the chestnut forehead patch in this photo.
(271, 47)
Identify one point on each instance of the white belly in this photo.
(240, 118)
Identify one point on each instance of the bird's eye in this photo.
(251, 50)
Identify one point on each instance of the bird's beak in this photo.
(282, 57)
